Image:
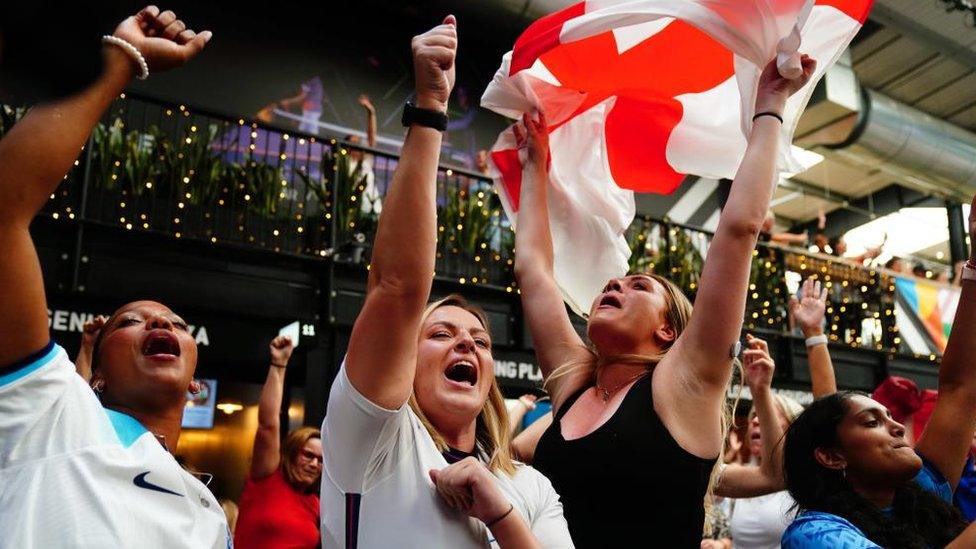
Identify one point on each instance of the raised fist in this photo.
(433, 64)
(163, 40)
(281, 348)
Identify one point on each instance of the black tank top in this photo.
(627, 483)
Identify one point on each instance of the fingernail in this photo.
(207, 35)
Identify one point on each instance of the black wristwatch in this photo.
(423, 117)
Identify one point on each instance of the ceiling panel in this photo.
(926, 79)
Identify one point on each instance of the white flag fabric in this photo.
(639, 93)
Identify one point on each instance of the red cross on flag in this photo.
(639, 93)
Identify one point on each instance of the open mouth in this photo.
(462, 371)
(610, 300)
(161, 344)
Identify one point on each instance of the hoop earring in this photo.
(843, 473)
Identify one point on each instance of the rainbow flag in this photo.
(926, 313)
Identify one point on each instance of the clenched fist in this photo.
(433, 64)
(164, 40)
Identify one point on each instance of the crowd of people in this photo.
(417, 448)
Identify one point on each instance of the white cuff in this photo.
(816, 340)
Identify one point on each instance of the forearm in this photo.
(40, 149)
(371, 128)
(533, 239)
(958, 369)
(83, 363)
(269, 405)
(822, 377)
(409, 215)
(772, 432)
(512, 532)
(754, 182)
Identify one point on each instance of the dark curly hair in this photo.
(919, 519)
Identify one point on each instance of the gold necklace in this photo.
(605, 394)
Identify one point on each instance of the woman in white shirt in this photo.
(416, 441)
(76, 469)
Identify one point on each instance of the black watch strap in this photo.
(423, 117)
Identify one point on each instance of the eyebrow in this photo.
(454, 327)
(642, 277)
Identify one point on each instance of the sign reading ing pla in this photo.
(73, 321)
(509, 369)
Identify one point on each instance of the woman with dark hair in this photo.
(640, 412)
(280, 503)
(857, 479)
(84, 468)
(418, 437)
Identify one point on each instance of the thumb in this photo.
(450, 20)
(196, 45)
(434, 473)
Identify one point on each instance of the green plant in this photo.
(467, 221)
(349, 185)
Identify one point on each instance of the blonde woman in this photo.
(417, 430)
(639, 414)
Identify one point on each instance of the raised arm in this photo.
(747, 481)
(266, 455)
(524, 405)
(949, 433)
(523, 445)
(89, 333)
(367, 105)
(382, 351)
(40, 149)
(720, 303)
(554, 339)
(808, 311)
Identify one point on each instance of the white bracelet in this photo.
(132, 51)
(816, 340)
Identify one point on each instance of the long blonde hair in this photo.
(492, 438)
(677, 315)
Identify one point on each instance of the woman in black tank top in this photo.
(638, 414)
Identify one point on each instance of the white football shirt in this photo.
(75, 474)
(376, 491)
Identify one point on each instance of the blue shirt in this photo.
(817, 530)
(965, 496)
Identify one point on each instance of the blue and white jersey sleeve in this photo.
(813, 530)
(361, 440)
(46, 408)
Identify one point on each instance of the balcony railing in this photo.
(167, 169)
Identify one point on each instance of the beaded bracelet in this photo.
(132, 51)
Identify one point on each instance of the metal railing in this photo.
(194, 175)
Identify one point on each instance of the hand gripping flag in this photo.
(638, 93)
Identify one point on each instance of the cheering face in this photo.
(455, 368)
(628, 311)
(146, 357)
(873, 446)
(308, 462)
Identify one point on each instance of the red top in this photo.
(274, 515)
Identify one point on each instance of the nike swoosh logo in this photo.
(141, 482)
